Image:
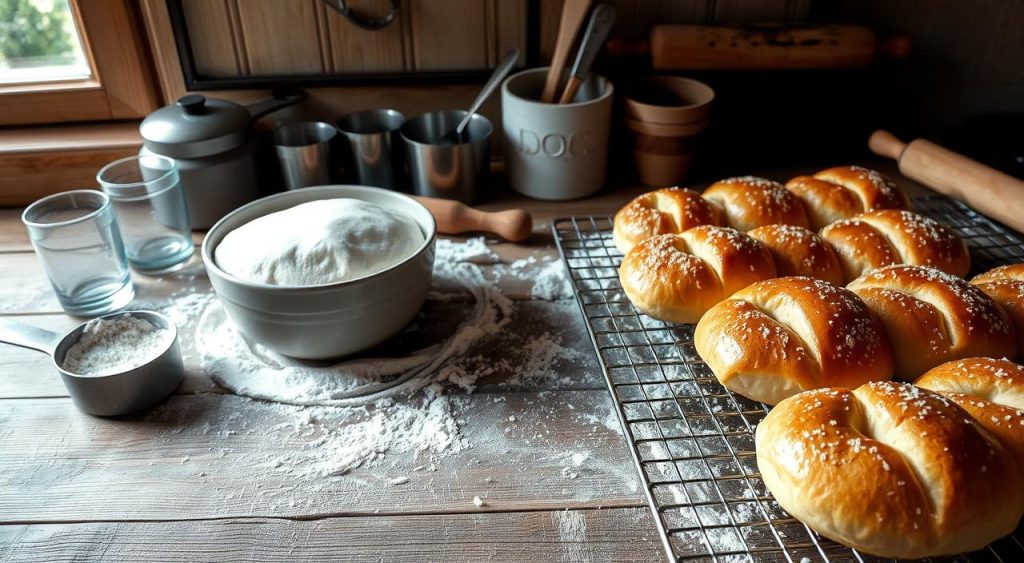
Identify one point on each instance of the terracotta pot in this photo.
(669, 100)
(664, 160)
(662, 130)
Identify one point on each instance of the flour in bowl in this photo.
(109, 346)
(319, 242)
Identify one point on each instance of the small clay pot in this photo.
(663, 130)
(668, 100)
(663, 153)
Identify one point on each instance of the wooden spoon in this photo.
(455, 218)
(573, 14)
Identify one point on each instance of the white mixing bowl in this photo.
(329, 320)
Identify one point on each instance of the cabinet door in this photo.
(238, 42)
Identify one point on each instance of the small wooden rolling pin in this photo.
(455, 218)
(990, 191)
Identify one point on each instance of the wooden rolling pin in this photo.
(454, 218)
(761, 47)
(987, 190)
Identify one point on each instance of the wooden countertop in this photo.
(191, 478)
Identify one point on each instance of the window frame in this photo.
(123, 85)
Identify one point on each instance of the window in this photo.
(72, 60)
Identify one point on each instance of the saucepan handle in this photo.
(278, 100)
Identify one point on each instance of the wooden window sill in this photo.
(38, 161)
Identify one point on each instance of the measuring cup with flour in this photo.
(111, 365)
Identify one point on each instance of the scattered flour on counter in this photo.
(572, 532)
(356, 412)
(552, 283)
(252, 370)
(573, 469)
(109, 346)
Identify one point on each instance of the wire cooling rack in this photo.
(692, 439)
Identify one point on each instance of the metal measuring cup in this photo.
(106, 395)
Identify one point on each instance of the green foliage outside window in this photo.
(34, 31)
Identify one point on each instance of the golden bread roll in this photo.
(889, 469)
(800, 252)
(991, 390)
(1005, 285)
(676, 278)
(839, 193)
(779, 337)
(668, 210)
(892, 236)
(750, 202)
(933, 317)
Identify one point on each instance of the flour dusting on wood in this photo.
(356, 412)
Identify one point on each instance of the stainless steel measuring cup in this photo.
(106, 395)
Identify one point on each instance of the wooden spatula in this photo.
(574, 12)
(455, 218)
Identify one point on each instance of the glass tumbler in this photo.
(149, 203)
(77, 240)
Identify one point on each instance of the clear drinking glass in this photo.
(149, 203)
(77, 240)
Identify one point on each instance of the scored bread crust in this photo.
(933, 317)
(892, 236)
(800, 252)
(1005, 285)
(663, 211)
(750, 202)
(841, 192)
(782, 336)
(677, 278)
(991, 390)
(889, 469)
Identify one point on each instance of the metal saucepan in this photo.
(213, 143)
(113, 394)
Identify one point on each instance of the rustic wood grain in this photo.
(510, 29)
(448, 34)
(619, 534)
(358, 50)
(295, 21)
(209, 32)
(219, 456)
(157, 24)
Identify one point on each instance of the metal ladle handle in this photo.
(28, 336)
(499, 74)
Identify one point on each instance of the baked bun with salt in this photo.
(750, 202)
(1005, 285)
(933, 317)
(800, 252)
(991, 390)
(664, 211)
(889, 469)
(676, 278)
(892, 236)
(782, 336)
(841, 192)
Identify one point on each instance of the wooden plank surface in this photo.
(448, 34)
(354, 49)
(261, 20)
(622, 534)
(209, 33)
(217, 456)
(207, 474)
